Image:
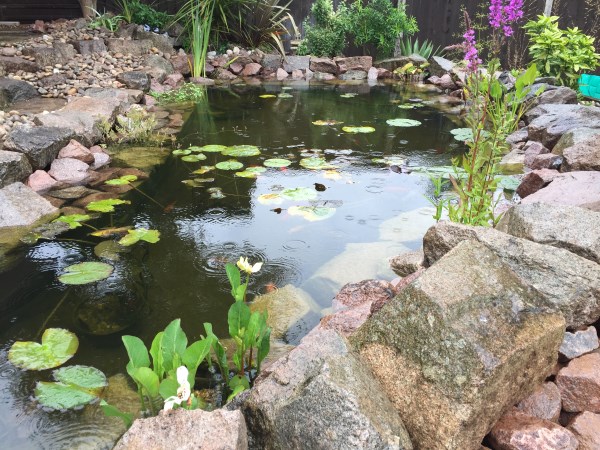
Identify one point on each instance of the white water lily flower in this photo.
(183, 391)
(245, 266)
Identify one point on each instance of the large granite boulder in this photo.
(568, 283)
(362, 63)
(12, 64)
(320, 396)
(129, 47)
(158, 67)
(135, 80)
(439, 66)
(579, 149)
(14, 90)
(572, 188)
(21, 206)
(187, 430)
(85, 126)
(569, 227)
(89, 47)
(40, 144)
(126, 97)
(291, 63)
(323, 65)
(69, 170)
(162, 42)
(14, 166)
(458, 346)
(59, 53)
(101, 109)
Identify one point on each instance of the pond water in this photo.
(372, 211)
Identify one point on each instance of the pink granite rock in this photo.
(579, 384)
(40, 181)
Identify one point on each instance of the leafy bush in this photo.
(136, 12)
(409, 47)
(327, 37)
(559, 53)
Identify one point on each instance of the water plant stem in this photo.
(147, 196)
(60, 302)
(80, 241)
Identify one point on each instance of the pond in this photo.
(341, 228)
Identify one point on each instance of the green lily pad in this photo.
(76, 386)
(73, 220)
(462, 134)
(230, 164)
(277, 162)
(256, 169)
(86, 272)
(195, 149)
(110, 250)
(181, 152)
(196, 182)
(286, 88)
(107, 205)
(285, 95)
(348, 95)
(58, 346)
(323, 123)
(358, 129)
(298, 194)
(403, 122)
(204, 169)
(84, 376)
(246, 174)
(267, 96)
(390, 160)
(406, 106)
(140, 234)
(194, 158)
(241, 151)
(213, 148)
(216, 193)
(315, 163)
(125, 179)
(312, 213)
(270, 199)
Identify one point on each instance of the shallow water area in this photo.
(359, 212)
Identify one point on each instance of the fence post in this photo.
(548, 7)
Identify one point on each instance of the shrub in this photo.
(327, 36)
(559, 53)
(143, 14)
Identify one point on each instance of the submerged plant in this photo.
(189, 92)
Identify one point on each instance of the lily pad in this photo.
(57, 346)
(267, 96)
(83, 376)
(73, 220)
(390, 160)
(403, 122)
(181, 152)
(348, 95)
(140, 234)
(216, 193)
(194, 158)
(86, 272)
(277, 162)
(270, 199)
(285, 95)
(256, 169)
(195, 149)
(204, 169)
(462, 134)
(213, 148)
(108, 250)
(358, 129)
(246, 174)
(406, 106)
(298, 194)
(196, 182)
(230, 164)
(322, 123)
(315, 163)
(107, 205)
(125, 179)
(76, 386)
(312, 213)
(241, 151)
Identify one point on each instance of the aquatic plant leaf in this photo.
(267, 96)
(270, 199)
(195, 149)
(230, 164)
(403, 122)
(57, 347)
(358, 129)
(195, 183)
(140, 234)
(348, 95)
(315, 163)
(125, 179)
(285, 95)
(145, 377)
(238, 151)
(62, 396)
(406, 106)
(332, 175)
(277, 162)
(216, 193)
(462, 134)
(173, 342)
(107, 232)
(213, 148)
(298, 194)
(180, 152)
(73, 220)
(107, 205)
(84, 376)
(256, 169)
(112, 411)
(86, 272)
(204, 169)
(440, 171)
(194, 158)
(286, 88)
(312, 213)
(390, 160)
(108, 250)
(322, 123)
(246, 174)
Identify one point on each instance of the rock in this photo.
(158, 67)
(40, 181)
(569, 227)
(84, 125)
(348, 320)
(568, 283)
(323, 76)
(536, 180)
(546, 161)
(512, 162)
(291, 63)
(187, 430)
(507, 79)
(362, 63)
(130, 47)
(372, 74)
(579, 343)
(12, 64)
(580, 150)
(323, 65)
(533, 149)
(40, 144)
(446, 82)
(579, 384)
(135, 80)
(439, 66)
(202, 81)
(144, 158)
(458, 346)
(126, 97)
(353, 75)
(77, 151)
(222, 74)
(517, 137)
(13, 167)
(363, 292)
(14, 90)
(251, 70)
(417, 59)
(586, 428)
(71, 193)
(272, 62)
(53, 80)
(236, 68)
(181, 64)
(547, 123)
(392, 64)
(544, 403)
(407, 263)
(89, 47)
(101, 109)
(38, 26)
(320, 396)
(572, 188)
(297, 74)
(21, 206)
(162, 42)
(59, 53)
(560, 95)
(69, 170)
(384, 73)
(517, 431)
(281, 74)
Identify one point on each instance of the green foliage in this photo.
(136, 125)
(134, 11)
(140, 234)
(74, 387)
(189, 92)
(106, 20)
(426, 50)
(563, 54)
(327, 37)
(57, 346)
(85, 273)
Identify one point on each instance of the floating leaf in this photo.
(358, 129)
(58, 346)
(246, 174)
(256, 169)
(348, 95)
(241, 151)
(213, 148)
(277, 162)
(462, 134)
(204, 169)
(181, 152)
(76, 386)
(285, 95)
(195, 149)
(125, 179)
(140, 234)
(194, 158)
(86, 272)
(312, 213)
(110, 232)
(403, 122)
(270, 199)
(216, 193)
(84, 376)
(406, 106)
(73, 220)
(108, 250)
(322, 123)
(315, 163)
(298, 194)
(390, 160)
(106, 205)
(267, 96)
(230, 164)
(196, 182)
(286, 88)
